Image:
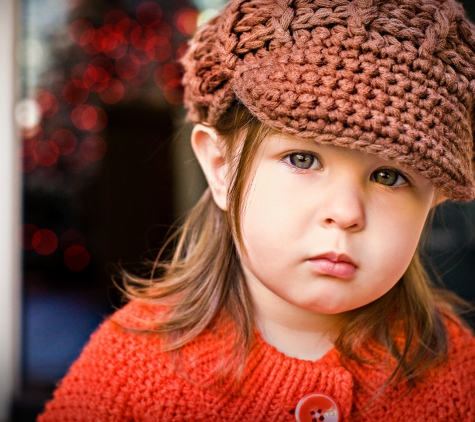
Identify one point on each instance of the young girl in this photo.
(327, 130)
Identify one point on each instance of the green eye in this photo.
(304, 161)
(388, 177)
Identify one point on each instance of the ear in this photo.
(209, 151)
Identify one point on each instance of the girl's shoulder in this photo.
(125, 330)
(137, 315)
(106, 380)
(461, 342)
(453, 382)
(127, 336)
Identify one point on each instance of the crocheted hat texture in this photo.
(388, 77)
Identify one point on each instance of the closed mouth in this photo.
(335, 257)
(335, 265)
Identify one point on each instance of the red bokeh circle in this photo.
(110, 41)
(76, 257)
(65, 140)
(86, 117)
(127, 67)
(46, 153)
(45, 242)
(186, 20)
(115, 17)
(113, 93)
(81, 31)
(148, 13)
(48, 103)
(96, 78)
(174, 95)
(75, 93)
(93, 148)
(28, 163)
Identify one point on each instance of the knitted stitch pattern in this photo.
(388, 77)
(123, 376)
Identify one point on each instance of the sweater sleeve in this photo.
(105, 383)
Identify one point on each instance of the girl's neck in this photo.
(299, 343)
(294, 331)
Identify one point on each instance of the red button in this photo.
(317, 407)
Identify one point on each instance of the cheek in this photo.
(274, 216)
(260, 222)
(262, 207)
(398, 241)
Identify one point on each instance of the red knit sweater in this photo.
(123, 376)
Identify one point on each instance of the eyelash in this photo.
(288, 160)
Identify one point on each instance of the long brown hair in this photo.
(203, 281)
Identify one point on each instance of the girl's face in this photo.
(328, 229)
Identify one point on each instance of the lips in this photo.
(334, 264)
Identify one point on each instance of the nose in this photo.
(344, 207)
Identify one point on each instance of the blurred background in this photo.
(107, 170)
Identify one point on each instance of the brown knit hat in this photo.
(389, 77)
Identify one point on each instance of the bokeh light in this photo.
(125, 52)
(148, 13)
(72, 237)
(173, 95)
(163, 29)
(142, 77)
(65, 140)
(48, 103)
(77, 74)
(161, 50)
(76, 257)
(126, 25)
(181, 50)
(119, 55)
(75, 93)
(96, 78)
(110, 41)
(128, 67)
(46, 153)
(135, 32)
(28, 163)
(45, 242)
(75, 162)
(93, 148)
(89, 118)
(168, 74)
(117, 18)
(27, 114)
(81, 31)
(113, 93)
(33, 52)
(186, 20)
(168, 78)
